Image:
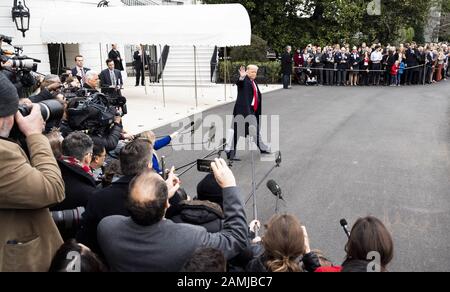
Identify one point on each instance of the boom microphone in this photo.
(274, 188)
(345, 227)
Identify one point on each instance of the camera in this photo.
(25, 63)
(50, 110)
(68, 221)
(6, 39)
(117, 100)
(93, 113)
(20, 68)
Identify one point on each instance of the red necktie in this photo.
(255, 97)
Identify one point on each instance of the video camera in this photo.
(6, 39)
(94, 113)
(52, 110)
(116, 99)
(18, 67)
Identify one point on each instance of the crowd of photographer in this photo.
(407, 64)
(70, 173)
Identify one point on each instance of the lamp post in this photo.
(103, 3)
(21, 16)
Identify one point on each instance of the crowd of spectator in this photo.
(376, 64)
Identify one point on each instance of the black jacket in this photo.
(244, 99)
(138, 60)
(106, 82)
(41, 96)
(115, 56)
(105, 78)
(286, 63)
(355, 266)
(411, 57)
(341, 60)
(103, 203)
(109, 139)
(202, 213)
(355, 59)
(318, 60)
(79, 187)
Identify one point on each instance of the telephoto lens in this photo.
(51, 109)
(68, 221)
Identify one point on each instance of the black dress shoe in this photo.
(232, 157)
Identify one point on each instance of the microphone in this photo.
(278, 159)
(345, 227)
(187, 127)
(192, 126)
(212, 133)
(275, 189)
(196, 125)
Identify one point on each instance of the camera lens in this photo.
(51, 109)
(68, 221)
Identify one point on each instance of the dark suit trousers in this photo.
(286, 81)
(140, 74)
(239, 132)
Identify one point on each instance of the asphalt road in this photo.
(353, 152)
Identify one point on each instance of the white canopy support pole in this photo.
(143, 64)
(101, 57)
(162, 75)
(59, 58)
(225, 70)
(195, 74)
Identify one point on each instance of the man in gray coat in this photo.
(147, 242)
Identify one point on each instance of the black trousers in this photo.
(376, 75)
(140, 74)
(411, 76)
(364, 78)
(243, 131)
(341, 76)
(319, 73)
(286, 81)
(329, 75)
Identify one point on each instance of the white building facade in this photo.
(94, 54)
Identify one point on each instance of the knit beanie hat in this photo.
(9, 99)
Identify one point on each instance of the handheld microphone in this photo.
(345, 227)
(274, 189)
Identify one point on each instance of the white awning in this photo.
(176, 25)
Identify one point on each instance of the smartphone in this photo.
(204, 165)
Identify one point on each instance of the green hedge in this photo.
(269, 72)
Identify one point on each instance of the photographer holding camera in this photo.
(28, 186)
(135, 244)
(50, 89)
